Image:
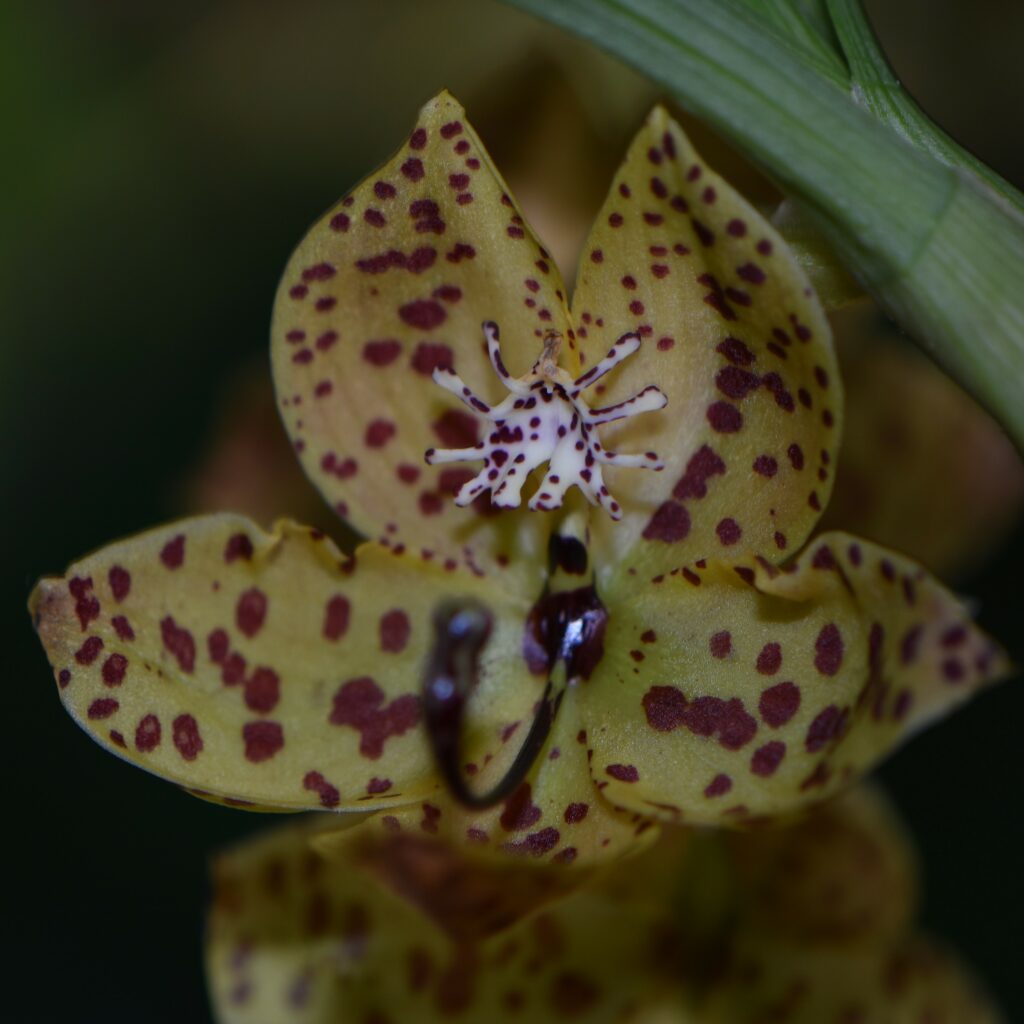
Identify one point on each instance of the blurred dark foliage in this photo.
(160, 161)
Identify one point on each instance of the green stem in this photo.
(876, 88)
(941, 252)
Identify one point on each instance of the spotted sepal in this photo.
(389, 286)
(292, 937)
(268, 669)
(734, 336)
(730, 692)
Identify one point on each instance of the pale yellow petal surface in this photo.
(730, 692)
(294, 938)
(268, 668)
(395, 281)
(737, 341)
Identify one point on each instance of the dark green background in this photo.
(158, 164)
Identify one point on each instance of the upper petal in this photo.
(392, 282)
(734, 337)
(266, 668)
(729, 692)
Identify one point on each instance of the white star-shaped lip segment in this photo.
(544, 419)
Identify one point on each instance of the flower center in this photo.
(544, 419)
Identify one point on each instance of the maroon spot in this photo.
(823, 558)
(319, 272)
(736, 352)
(615, 220)
(120, 582)
(450, 481)
(326, 340)
(238, 546)
(718, 786)
(179, 642)
(751, 272)
(703, 465)
(796, 456)
(430, 504)
(779, 703)
(413, 168)
(316, 783)
(340, 222)
(767, 758)
(114, 669)
(375, 219)
(536, 844)
(572, 994)
(394, 631)
(89, 651)
(376, 785)
(623, 772)
(828, 726)
(336, 616)
(459, 182)
(147, 734)
(953, 670)
(382, 352)
(122, 627)
(172, 554)
(384, 190)
(456, 429)
(670, 523)
(720, 644)
(102, 708)
(736, 383)
(87, 605)
(64, 677)
(378, 433)
(769, 661)
(418, 139)
(520, 812)
(423, 314)
(262, 690)
(407, 473)
(432, 356)
(359, 703)
(251, 611)
(765, 465)
(724, 418)
(728, 531)
(185, 734)
(665, 708)
(828, 650)
(451, 129)
(262, 740)
(575, 813)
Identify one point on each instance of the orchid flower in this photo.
(809, 923)
(675, 656)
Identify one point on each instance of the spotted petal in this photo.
(294, 938)
(735, 691)
(266, 668)
(390, 284)
(737, 341)
(555, 817)
(904, 982)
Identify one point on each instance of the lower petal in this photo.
(267, 669)
(293, 937)
(732, 692)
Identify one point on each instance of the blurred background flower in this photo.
(161, 163)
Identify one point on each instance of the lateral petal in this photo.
(730, 692)
(268, 669)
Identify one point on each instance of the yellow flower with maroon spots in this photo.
(571, 679)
